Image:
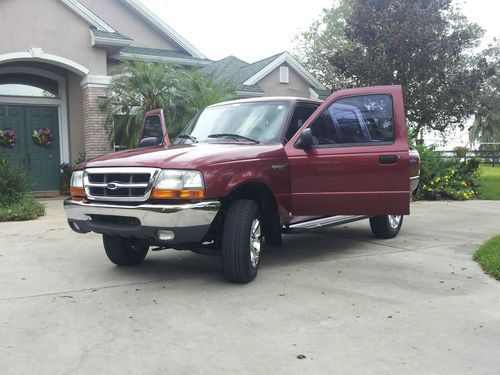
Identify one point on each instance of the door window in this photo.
(355, 120)
(152, 128)
(300, 115)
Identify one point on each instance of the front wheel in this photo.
(386, 226)
(125, 251)
(241, 241)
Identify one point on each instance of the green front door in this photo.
(39, 156)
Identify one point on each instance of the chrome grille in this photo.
(119, 184)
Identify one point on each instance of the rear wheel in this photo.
(241, 241)
(125, 251)
(386, 226)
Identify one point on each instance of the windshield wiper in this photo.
(234, 136)
(187, 136)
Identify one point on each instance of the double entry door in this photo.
(29, 139)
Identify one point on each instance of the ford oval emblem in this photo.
(112, 186)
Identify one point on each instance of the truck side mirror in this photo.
(148, 142)
(305, 140)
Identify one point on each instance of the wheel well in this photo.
(268, 206)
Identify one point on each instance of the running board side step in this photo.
(326, 222)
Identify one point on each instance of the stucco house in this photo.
(57, 58)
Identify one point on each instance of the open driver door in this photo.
(351, 156)
(153, 131)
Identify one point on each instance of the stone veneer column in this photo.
(95, 131)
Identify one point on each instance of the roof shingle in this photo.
(155, 53)
(237, 72)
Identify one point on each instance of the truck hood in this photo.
(184, 156)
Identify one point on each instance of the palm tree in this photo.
(198, 91)
(486, 126)
(140, 86)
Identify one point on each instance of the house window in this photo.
(28, 85)
(283, 74)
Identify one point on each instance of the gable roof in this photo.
(116, 38)
(276, 61)
(248, 71)
(225, 69)
(157, 54)
(247, 76)
(87, 15)
(161, 26)
(235, 70)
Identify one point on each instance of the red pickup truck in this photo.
(243, 172)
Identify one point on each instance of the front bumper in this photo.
(189, 222)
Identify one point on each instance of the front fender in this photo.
(221, 180)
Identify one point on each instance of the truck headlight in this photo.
(76, 188)
(179, 184)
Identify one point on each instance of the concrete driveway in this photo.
(351, 304)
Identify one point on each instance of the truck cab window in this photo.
(300, 115)
(364, 119)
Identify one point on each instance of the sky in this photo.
(252, 30)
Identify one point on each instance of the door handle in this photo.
(29, 161)
(388, 159)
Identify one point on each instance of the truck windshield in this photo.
(257, 122)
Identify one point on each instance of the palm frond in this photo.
(140, 86)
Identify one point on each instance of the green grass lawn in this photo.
(490, 188)
(488, 256)
(26, 208)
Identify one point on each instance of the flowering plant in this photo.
(7, 138)
(459, 180)
(43, 137)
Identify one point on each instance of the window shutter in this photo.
(283, 74)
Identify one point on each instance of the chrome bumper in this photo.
(189, 222)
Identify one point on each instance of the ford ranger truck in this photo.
(244, 172)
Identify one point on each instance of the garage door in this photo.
(29, 138)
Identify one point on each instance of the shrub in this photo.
(445, 177)
(13, 183)
(15, 201)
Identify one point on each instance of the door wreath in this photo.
(7, 138)
(43, 137)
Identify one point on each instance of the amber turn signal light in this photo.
(77, 192)
(178, 194)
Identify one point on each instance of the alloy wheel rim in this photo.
(255, 242)
(394, 221)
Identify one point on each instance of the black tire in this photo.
(237, 261)
(385, 227)
(125, 251)
(272, 233)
